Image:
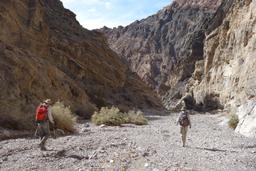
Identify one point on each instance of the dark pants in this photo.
(43, 132)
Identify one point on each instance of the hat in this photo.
(47, 101)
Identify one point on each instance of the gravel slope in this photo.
(155, 147)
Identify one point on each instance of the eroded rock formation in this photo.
(204, 48)
(45, 53)
(228, 71)
(163, 48)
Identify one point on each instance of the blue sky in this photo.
(112, 13)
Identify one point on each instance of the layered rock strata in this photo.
(164, 47)
(228, 70)
(45, 53)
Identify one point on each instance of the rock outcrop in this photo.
(228, 70)
(164, 47)
(45, 53)
(204, 48)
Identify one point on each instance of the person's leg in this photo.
(40, 131)
(184, 135)
(45, 130)
(43, 141)
(36, 133)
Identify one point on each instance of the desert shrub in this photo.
(233, 121)
(108, 116)
(63, 117)
(137, 118)
(114, 117)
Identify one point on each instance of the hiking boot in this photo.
(42, 148)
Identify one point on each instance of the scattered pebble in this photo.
(135, 148)
(146, 164)
(102, 126)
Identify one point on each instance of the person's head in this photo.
(47, 102)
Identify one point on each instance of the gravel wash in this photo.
(154, 147)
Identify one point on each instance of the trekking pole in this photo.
(36, 131)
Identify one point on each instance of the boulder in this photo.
(247, 119)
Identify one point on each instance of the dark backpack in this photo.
(183, 119)
(41, 113)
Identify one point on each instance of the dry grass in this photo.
(233, 121)
(63, 117)
(113, 117)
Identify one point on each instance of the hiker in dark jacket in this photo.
(184, 121)
(43, 116)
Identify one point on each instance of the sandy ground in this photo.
(154, 147)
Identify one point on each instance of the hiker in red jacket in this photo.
(43, 116)
(184, 121)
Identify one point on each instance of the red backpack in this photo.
(41, 113)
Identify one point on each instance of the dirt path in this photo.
(155, 147)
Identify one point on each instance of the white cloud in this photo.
(108, 5)
(94, 14)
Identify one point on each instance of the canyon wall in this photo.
(46, 53)
(228, 71)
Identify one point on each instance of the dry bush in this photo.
(108, 116)
(137, 118)
(113, 117)
(233, 121)
(63, 117)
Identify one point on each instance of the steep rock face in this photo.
(203, 3)
(228, 71)
(45, 53)
(163, 48)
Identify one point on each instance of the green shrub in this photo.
(114, 117)
(63, 117)
(233, 121)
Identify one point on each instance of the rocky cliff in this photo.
(227, 72)
(164, 47)
(204, 48)
(45, 53)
